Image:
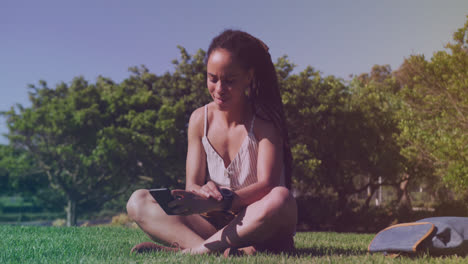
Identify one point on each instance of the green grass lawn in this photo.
(27, 244)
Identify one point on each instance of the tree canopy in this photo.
(95, 141)
(434, 122)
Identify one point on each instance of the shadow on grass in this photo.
(327, 251)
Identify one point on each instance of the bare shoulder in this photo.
(197, 121)
(264, 129)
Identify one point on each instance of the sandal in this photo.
(239, 252)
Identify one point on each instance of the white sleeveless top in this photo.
(242, 171)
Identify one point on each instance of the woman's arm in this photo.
(269, 165)
(196, 159)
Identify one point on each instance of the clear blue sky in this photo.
(58, 40)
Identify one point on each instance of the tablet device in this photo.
(163, 196)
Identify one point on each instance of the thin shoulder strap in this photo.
(206, 120)
(251, 124)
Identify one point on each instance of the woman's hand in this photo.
(187, 203)
(208, 190)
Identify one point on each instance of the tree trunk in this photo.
(404, 198)
(370, 193)
(343, 219)
(71, 212)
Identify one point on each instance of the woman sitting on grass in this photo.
(240, 138)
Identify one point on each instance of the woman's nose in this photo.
(220, 87)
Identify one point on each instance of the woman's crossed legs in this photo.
(263, 224)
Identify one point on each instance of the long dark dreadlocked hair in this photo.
(264, 94)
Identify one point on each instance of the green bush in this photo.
(316, 212)
(451, 208)
(22, 209)
(21, 217)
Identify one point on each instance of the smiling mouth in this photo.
(222, 99)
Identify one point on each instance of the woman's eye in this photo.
(213, 80)
(229, 81)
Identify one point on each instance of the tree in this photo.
(96, 141)
(91, 150)
(341, 136)
(434, 122)
(375, 95)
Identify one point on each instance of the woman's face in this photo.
(227, 81)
